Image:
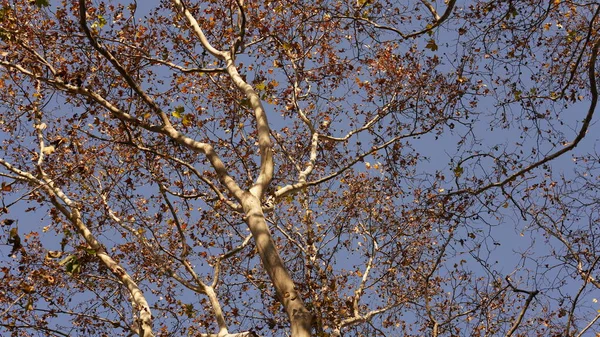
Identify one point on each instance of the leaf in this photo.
(512, 11)
(178, 112)
(72, 265)
(29, 306)
(27, 288)
(187, 119)
(53, 254)
(42, 3)
(431, 45)
(245, 103)
(15, 240)
(458, 171)
(429, 30)
(260, 86)
(189, 310)
(518, 94)
(65, 260)
(101, 21)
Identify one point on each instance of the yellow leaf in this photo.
(261, 86)
(178, 112)
(187, 120)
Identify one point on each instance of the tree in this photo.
(303, 168)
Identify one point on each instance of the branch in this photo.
(124, 73)
(12, 304)
(225, 256)
(574, 306)
(238, 45)
(239, 334)
(262, 126)
(264, 141)
(380, 114)
(430, 27)
(357, 318)
(299, 245)
(47, 331)
(519, 319)
(185, 247)
(183, 69)
(169, 131)
(39, 126)
(292, 188)
(587, 327)
(69, 209)
(59, 84)
(234, 206)
(358, 293)
(198, 31)
(366, 317)
(200, 286)
(430, 7)
(580, 135)
(427, 280)
(207, 290)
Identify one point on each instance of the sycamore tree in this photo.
(299, 168)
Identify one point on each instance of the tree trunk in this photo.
(300, 318)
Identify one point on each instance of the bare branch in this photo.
(198, 31)
(124, 73)
(588, 326)
(69, 209)
(288, 189)
(225, 256)
(519, 319)
(580, 135)
(184, 69)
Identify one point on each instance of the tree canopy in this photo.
(299, 168)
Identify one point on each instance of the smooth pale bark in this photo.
(69, 209)
(300, 318)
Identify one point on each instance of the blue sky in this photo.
(503, 234)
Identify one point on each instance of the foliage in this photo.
(298, 167)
